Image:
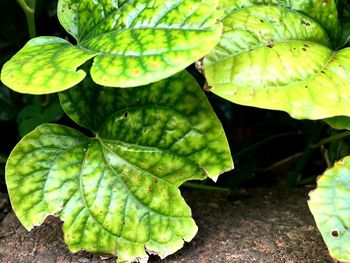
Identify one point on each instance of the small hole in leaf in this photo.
(335, 233)
(126, 114)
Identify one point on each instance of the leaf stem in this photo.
(295, 175)
(29, 11)
(330, 139)
(206, 187)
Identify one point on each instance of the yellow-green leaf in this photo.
(117, 191)
(133, 43)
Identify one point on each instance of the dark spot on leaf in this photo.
(306, 87)
(262, 21)
(306, 45)
(305, 23)
(150, 189)
(335, 233)
(270, 45)
(155, 180)
(323, 72)
(304, 49)
(126, 114)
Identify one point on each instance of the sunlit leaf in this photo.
(133, 43)
(329, 204)
(118, 190)
(339, 122)
(271, 56)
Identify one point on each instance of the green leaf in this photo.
(133, 43)
(45, 65)
(35, 114)
(339, 122)
(276, 58)
(325, 13)
(330, 207)
(119, 189)
(344, 14)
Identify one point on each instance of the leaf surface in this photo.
(324, 13)
(275, 57)
(133, 43)
(45, 65)
(339, 122)
(330, 207)
(118, 191)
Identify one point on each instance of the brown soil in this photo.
(256, 225)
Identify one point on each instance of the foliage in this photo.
(329, 205)
(143, 126)
(119, 36)
(118, 189)
(283, 64)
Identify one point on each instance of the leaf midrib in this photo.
(104, 146)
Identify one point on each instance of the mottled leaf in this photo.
(133, 43)
(271, 56)
(329, 204)
(118, 191)
(45, 65)
(324, 13)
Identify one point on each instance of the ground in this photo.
(255, 225)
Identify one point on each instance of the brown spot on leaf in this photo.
(155, 180)
(154, 65)
(335, 233)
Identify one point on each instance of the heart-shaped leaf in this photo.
(329, 204)
(118, 191)
(133, 43)
(274, 57)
